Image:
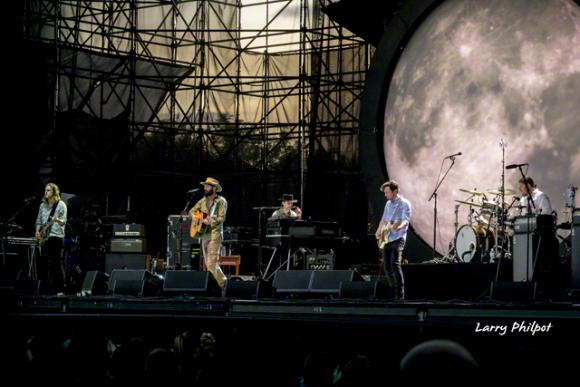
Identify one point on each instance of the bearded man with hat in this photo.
(213, 208)
(288, 209)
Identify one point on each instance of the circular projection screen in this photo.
(473, 74)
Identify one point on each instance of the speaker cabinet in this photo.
(513, 291)
(95, 283)
(312, 283)
(292, 282)
(128, 245)
(248, 290)
(576, 249)
(114, 261)
(523, 248)
(327, 282)
(129, 282)
(190, 282)
(371, 290)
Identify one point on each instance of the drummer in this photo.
(541, 201)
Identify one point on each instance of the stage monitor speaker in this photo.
(327, 282)
(513, 291)
(576, 249)
(129, 282)
(190, 282)
(248, 290)
(131, 261)
(371, 290)
(95, 283)
(292, 282)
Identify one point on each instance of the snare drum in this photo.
(472, 242)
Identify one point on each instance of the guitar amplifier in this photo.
(128, 245)
(320, 261)
(180, 246)
(129, 230)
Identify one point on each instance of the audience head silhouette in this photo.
(443, 359)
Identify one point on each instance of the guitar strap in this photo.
(49, 217)
(394, 212)
(214, 207)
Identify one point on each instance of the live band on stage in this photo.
(502, 224)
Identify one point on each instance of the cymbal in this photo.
(473, 204)
(472, 192)
(498, 191)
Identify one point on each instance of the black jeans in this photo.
(392, 258)
(50, 266)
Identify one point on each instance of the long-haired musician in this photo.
(50, 229)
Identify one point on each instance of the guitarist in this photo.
(396, 218)
(50, 224)
(213, 208)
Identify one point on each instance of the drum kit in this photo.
(486, 235)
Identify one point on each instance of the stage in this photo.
(273, 335)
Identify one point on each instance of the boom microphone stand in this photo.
(434, 195)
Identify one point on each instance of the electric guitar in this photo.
(384, 234)
(197, 225)
(45, 230)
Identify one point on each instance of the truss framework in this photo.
(198, 87)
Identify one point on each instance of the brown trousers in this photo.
(211, 253)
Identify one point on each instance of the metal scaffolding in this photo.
(202, 91)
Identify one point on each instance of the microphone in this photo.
(453, 155)
(193, 190)
(29, 199)
(512, 166)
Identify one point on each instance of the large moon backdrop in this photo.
(474, 74)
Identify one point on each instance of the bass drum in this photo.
(472, 243)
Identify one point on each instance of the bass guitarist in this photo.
(50, 226)
(393, 228)
(207, 220)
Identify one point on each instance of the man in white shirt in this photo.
(541, 202)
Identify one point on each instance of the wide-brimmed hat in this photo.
(288, 197)
(213, 182)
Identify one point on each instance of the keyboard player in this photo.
(288, 210)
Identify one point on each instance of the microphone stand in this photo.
(178, 238)
(434, 195)
(501, 214)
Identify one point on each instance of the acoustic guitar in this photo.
(197, 226)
